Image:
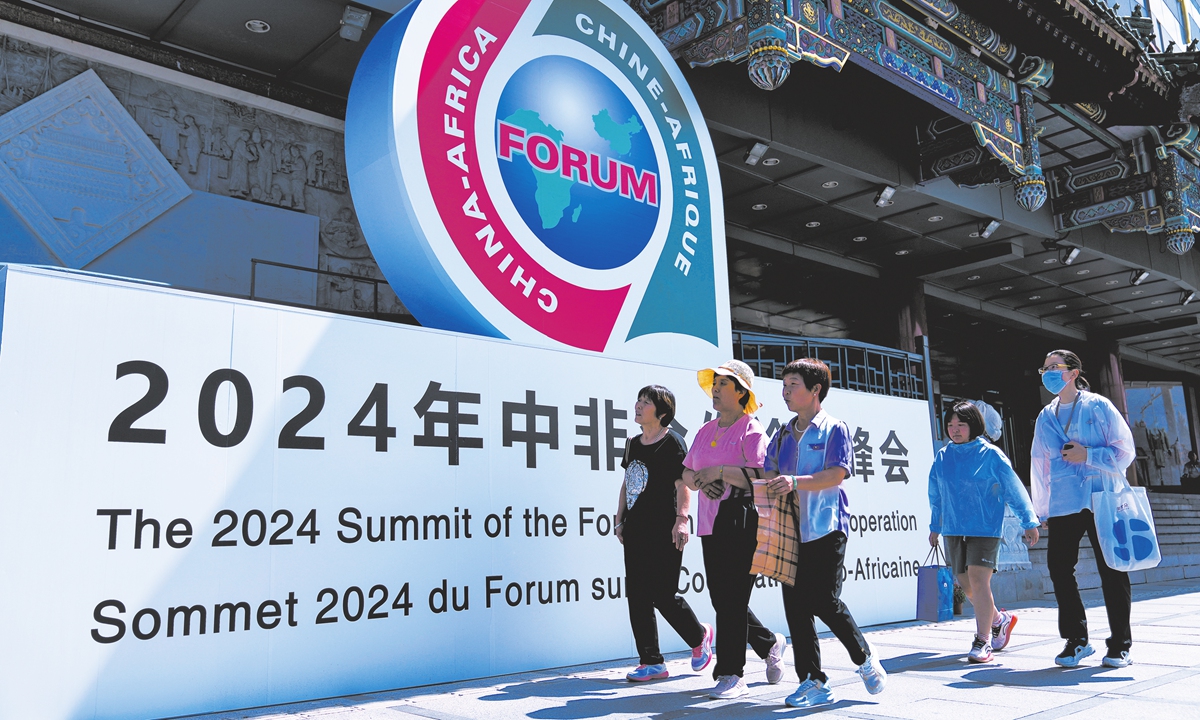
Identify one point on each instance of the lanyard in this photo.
(1070, 416)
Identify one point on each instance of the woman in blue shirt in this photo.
(970, 482)
(1081, 444)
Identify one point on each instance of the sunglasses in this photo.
(1052, 368)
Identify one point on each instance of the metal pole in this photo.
(253, 270)
(933, 415)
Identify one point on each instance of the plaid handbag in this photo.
(778, 548)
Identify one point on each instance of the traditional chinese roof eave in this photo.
(1099, 56)
(1115, 31)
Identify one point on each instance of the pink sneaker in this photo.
(1002, 633)
(702, 654)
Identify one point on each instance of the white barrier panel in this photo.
(211, 504)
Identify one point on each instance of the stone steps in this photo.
(1177, 523)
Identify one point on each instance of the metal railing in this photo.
(374, 313)
(852, 365)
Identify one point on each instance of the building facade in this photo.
(985, 181)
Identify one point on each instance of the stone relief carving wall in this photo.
(223, 147)
(76, 168)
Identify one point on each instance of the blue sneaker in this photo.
(1074, 651)
(811, 693)
(702, 654)
(642, 673)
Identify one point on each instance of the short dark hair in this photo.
(968, 413)
(812, 372)
(664, 402)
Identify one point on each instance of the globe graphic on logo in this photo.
(591, 191)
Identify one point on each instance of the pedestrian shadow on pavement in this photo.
(920, 661)
(1044, 677)
(599, 697)
(651, 704)
(748, 711)
(930, 662)
(564, 687)
(591, 698)
(667, 706)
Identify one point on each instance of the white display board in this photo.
(211, 504)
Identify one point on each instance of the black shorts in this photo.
(978, 551)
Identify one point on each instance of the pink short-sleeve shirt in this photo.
(744, 444)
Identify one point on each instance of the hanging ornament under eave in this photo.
(1179, 235)
(1176, 179)
(769, 65)
(1031, 191)
(1030, 188)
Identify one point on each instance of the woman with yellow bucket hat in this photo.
(726, 455)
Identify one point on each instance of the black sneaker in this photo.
(1074, 651)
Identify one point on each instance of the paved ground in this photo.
(929, 679)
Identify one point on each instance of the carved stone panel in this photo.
(215, 145)
(80, 172)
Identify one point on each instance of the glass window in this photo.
(1159, 419)
(1168, 15)
(1176, 8)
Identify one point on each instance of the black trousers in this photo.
(728, 555)
(1061, 556)
(651, 579)
(817, 594)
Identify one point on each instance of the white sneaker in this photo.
(811, 693)
(728, 687)
(873, 675)
(1120, 660)
(775, 659)
(1002, 631)
(981, 651)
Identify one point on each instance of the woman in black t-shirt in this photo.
(652, 524)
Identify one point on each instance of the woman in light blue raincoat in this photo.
(1081, 444)
(969, 484)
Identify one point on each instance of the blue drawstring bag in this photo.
(935, 588)
(1125, 527)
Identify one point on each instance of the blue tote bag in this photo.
(935, 588)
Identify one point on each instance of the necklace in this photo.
(719, 433)
(662, 433)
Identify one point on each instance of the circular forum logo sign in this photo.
(538, 170)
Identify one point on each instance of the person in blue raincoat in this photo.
(1081, 444)
(970, 482)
